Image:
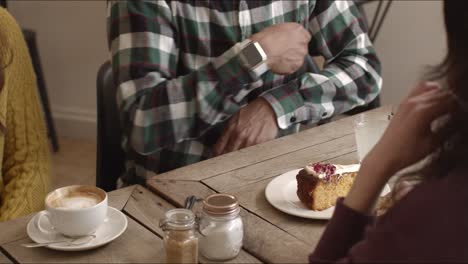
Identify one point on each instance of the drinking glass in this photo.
(368, 129)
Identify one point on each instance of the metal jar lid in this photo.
(221, 204)
(178, 219)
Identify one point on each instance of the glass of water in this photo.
(368, 129)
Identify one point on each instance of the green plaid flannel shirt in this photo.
(180, 77)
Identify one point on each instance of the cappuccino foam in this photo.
(77, 201)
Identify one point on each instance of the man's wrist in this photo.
(272, 112)
(232, 71)
(254, 57)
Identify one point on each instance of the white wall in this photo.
(72, 45)
(72, 42)
(411, 38)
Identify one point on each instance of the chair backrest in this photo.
(110, 156)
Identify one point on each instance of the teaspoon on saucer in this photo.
(72, 242)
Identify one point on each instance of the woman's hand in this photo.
(408, 139)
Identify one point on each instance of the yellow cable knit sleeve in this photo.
(25, 168)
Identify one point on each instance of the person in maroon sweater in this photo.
(430, 223)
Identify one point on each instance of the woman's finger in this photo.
(431, 95)
(435, 107)
(423, 87)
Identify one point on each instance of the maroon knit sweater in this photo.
(429, 225)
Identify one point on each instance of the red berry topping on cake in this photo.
(322, 170)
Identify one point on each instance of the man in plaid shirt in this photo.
(198, 79)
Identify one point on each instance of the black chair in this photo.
(110, 156)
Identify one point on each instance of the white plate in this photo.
(114, 225)
(281, 193)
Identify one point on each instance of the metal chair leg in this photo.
(30, 37)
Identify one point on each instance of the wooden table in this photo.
(140, 243)
(271, 236)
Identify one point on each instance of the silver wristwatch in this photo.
(254, 57)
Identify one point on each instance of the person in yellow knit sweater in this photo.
(24, 151)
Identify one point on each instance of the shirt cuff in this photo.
(288, 105)
(235, 74)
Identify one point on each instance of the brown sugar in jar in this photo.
(180, 240)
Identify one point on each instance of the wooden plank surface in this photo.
(120, 197)
(276, 166)
(136, 245)
(14, 230)
(248, 156)
(261, 152)
(252, 197)
(271, 236)
(148, 209)
(4, 259)
(262, 239)
(141, 242)
(127, 248)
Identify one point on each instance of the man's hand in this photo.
(253, 124)
(285, 45)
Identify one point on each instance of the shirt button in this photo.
(292, 119)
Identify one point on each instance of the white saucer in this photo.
(114, 225)
(281, 193)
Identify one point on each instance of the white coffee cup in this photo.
(74, 211)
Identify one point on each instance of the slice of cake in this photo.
(320, 184)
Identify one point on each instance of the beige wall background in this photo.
(72, 43)
(411, 38)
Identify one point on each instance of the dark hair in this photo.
(452, 135)
(452, 151)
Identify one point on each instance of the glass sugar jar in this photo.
(221, 227)
(180, 240)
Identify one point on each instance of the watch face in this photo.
(252, 55)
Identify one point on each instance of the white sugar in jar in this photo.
(221, 228)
